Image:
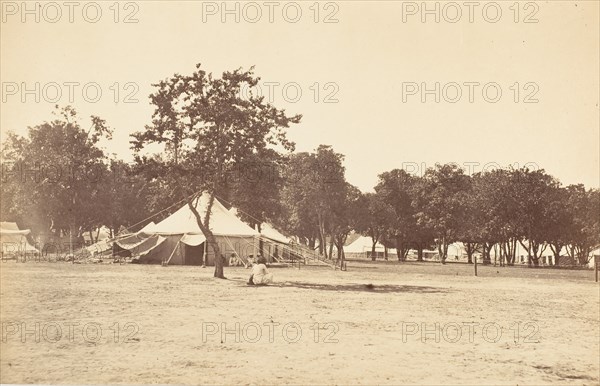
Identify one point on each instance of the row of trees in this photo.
(58, 179)
(499, 208)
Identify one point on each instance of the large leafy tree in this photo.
(376, 219)
(492, 216)
(584, 208)
(443, 203)
(347, 213)
(396, 189)
(561, 230)
(533, 191)
(207, 126)
(315, 186)
(297, 208)
(56, 174)
(254, 189)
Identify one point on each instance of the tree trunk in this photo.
(420, 252)
(442, 249)
(373, 251)
(512, 251)
(582, 254)
(487, 247)
(322, 237)
(331, 248)
(469, 248)
(210, 237)
(556, 248)
(400, 249)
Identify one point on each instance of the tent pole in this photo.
(254, 248)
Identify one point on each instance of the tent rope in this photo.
(159, 212)
(242, 259)
(172, 253)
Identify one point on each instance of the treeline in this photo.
(500, 208)
(58, 181)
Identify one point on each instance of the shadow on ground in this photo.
(376, 288)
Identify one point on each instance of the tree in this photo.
(375, 220)
(125, 199)
(492, 216)
(444, 203)
(315, 184)
(255, 189)
(396, 188)
(345, 217)
(584, 206)
(207, 127)
(561, 229)
(57, 174)
(296, 205)
(533, 190)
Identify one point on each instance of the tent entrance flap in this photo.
(193, 240)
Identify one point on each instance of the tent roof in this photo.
(102, 235)
(363, 244)
(12, 238)
(269, 231)
(222, 221)
(148, 227)
(11, 228)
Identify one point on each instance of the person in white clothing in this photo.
(260, 275)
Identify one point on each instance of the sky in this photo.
(516, 83)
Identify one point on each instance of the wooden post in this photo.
(596, 268)
(475, 263)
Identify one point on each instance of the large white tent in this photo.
(178, 239)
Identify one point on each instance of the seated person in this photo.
(233, 261)
(260, 275)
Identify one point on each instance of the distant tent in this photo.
(178, 239)
(594, 257)
(102, 234)
(14, 240)
(362, 248)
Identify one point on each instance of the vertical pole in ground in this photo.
(475, 264)
(596, 267)
(71, 244)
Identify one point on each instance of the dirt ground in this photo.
(377, 323)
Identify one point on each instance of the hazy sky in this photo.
(371, 61)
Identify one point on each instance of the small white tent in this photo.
(362, 248)
(14, 240)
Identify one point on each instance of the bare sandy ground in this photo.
(374, 324)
